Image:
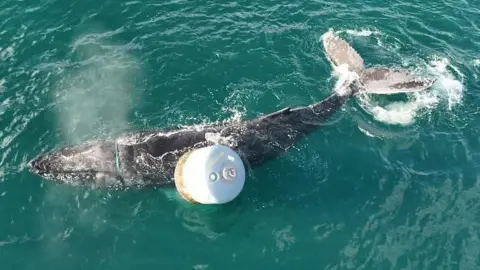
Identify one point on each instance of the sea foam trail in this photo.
(365, 32)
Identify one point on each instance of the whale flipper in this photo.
(388, 81)
(373, 80)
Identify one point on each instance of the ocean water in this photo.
(389, 183)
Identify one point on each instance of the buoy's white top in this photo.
(210, 175)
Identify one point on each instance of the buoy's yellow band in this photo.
(179, 178)
(202, 176)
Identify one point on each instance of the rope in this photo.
(117, 165)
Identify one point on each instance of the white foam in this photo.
(6, 53)
(366, 132)
(362, 32)
(476, 62)
(446, 89)
(2, 82)
(236, 114)
(402, 113)
(342, 72)
(448, 86)
(345, 78)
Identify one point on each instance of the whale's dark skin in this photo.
(149, 158)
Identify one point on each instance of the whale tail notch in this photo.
(382, 80)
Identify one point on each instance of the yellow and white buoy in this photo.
(210, 175)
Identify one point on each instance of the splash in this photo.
(447, 90)
(342, 73)
(402, 113)
(362, 32)
(476, 62)
(236, 115)
(449, 87)
(345, 78)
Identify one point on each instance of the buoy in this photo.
(210, 175)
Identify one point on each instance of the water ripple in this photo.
(383, 187)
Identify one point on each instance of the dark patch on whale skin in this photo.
(410, 84)
(392, 81)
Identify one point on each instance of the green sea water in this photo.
(389, 183)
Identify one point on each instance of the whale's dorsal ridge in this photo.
(280, 112)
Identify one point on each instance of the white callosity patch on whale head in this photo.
(88, 163)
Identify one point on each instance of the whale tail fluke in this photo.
(341, 53)
(388, 81)
(373, 80)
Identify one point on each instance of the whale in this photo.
(148, 158)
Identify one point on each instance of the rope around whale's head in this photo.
(118, 171)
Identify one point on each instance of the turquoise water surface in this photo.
(389, 183)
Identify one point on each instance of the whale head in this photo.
(91, 163)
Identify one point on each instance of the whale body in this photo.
(149, 158)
